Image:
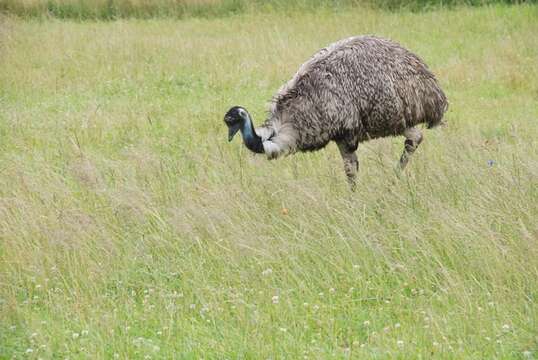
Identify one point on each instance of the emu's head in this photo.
(235, 118)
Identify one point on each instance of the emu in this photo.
(354, 90)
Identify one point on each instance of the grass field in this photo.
(144, 9)
(131, 228)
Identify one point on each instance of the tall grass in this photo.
(131, 228)
(114, 9)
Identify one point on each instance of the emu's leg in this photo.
(351, 163)
(413, 137)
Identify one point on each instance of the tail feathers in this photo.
(437, 110)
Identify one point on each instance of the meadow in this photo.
(131, 228)
(144, 9)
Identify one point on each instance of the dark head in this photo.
(235, 118)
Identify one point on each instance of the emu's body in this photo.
(354, 90)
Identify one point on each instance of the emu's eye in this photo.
(242, 113)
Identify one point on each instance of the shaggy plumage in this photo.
(354, 90)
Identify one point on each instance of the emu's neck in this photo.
(252, 141)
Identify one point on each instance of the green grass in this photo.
(116, 9)
(130, 226)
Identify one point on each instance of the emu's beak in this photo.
(232, 130)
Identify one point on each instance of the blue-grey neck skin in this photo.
(252, 141)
